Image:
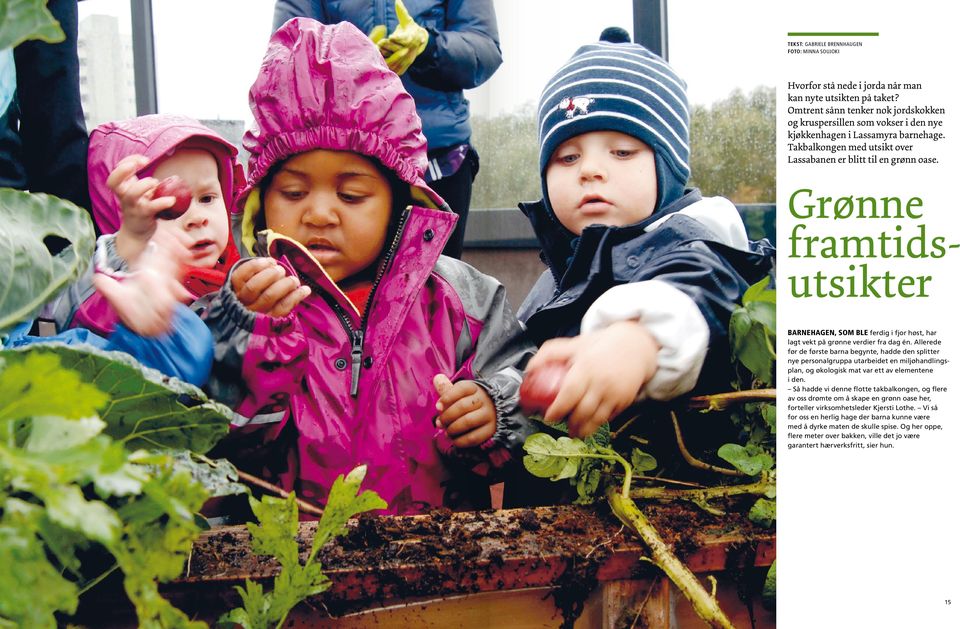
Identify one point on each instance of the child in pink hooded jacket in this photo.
(352, 340)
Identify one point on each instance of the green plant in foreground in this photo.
(276, 535)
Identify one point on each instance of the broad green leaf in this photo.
(146, 409)
(31, 589)
(640, 461)
(763, 512)
(34, 383)
(769, 414)
(67, 507)
(276, 532)
(343, 503)
(21, 20)
(29, 275)
(750, 463)
(51, 433)
(752, 342)
(218, 477)
(551, 458)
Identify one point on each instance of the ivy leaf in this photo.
(343, 503)
(763, 512)
(33, 383)
(29, 275)
(748, 460)
(146, 409)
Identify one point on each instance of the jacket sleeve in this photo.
(79, 305)
(465, 53)
(257, 361)
(685, 296)
(495, 362)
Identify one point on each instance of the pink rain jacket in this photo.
(323, 389)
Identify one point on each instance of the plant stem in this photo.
(694, 461)
(92, 584)
(759, 488)
(705, 605)
(720, 401)
(262, 484)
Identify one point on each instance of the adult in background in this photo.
(439, 49)
(43, 137)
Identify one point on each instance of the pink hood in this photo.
(327, 87)
(155, 136)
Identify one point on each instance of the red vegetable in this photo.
(174, 187)
(540, 387)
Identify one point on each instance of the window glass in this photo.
(536, 37)
(106, 61)
(724, 56)
(207, 55)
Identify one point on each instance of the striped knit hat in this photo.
(620, 87)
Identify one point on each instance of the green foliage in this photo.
(508, 148)
(732, 151)
(66, 486)
(750, 459)
(753, 337)
(21, 20)
(29, 275)
(276, 534)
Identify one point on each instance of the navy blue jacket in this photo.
(463, 51)
(681, 251)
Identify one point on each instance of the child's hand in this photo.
(607, 370)
(146, 300)
(138, 207)
(262, 285)
(467, 413)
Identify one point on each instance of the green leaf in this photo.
(67, 507)
(769, 414)
(640, 461)
(29, 275)
(763, 512)
(146, 409)
(35, 383)
(49, 433)
(746, 460)
(769, 594)
(343, 503)
(759, 292)
(552, 458)
(31, 589)
(218, 477)
(21, 20)
(255, 611)
(276, 533)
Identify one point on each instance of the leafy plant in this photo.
(276, 535)
(591, 465)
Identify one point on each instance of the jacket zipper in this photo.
(356, 336)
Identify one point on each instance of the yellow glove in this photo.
(403, 45)
(378, 33)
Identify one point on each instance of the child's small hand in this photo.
(145, 301)
(607, 370)
(262, 285)
(467, 413)
(137, 205)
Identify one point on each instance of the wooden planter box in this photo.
(540, 567)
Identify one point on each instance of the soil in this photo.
(383, 558)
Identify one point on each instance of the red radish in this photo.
(174, 187)
(540, 387)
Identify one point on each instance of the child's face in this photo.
(602, 177)
(335, 203)
(205, 222)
